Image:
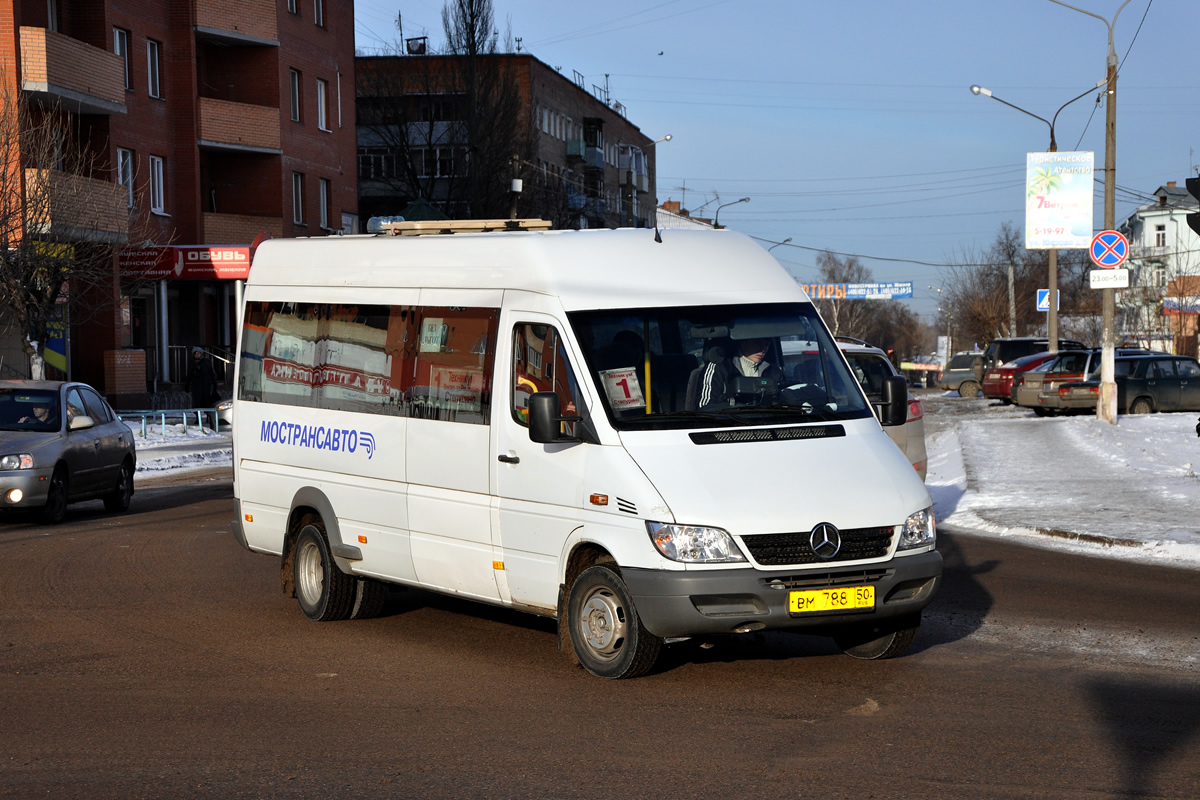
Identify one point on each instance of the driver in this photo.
(38, 413)
(717, 388)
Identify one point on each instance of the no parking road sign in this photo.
(1109, 249)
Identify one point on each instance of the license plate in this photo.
(995, 376)
(831, 599)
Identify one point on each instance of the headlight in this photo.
(918, 530)
(18, 461)
(693, 544)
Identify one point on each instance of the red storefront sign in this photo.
(197, 262)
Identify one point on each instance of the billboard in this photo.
(1058, 200)
(858, 291)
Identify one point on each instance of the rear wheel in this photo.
(55, 510)
(884, 639)
(1141, 406)
(118, 499)
(324, 592)
(606, 632)
(968, 389)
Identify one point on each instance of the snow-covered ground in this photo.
(1125, 491)
(1128, 490)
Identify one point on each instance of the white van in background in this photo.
(557, 422)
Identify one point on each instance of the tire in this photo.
(606, 632)
(118, 500)
(1141, 406)
(968, 389)
(369, 598)
(325, 593)
(884, 639)
(1041, 412)
(55, 510)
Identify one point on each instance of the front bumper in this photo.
(677, 604)
(33, 483)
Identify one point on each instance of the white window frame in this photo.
(319, 13)
(1160, 235)
(158, 202)
(121, 48)
(153, 74)
(324, 185)
(322, 101)
(52, 15)
(292, 6)
(298, 198)
(125, 162)
(294, 78)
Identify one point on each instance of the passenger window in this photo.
(97, 409)
(1188, 369)
(540, 364)
(75, 405)
(455, 354)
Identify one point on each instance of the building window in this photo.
(293, 8)
(298, 198)
(294, 77)
(121, 48)
(152, 58)
(157, 195)
(319, 12)
(52, 15)
(125, 173)
(1160, 235)
(323, 185)
(322, 95)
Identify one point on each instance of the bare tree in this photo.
(844, 317)
(61, 221)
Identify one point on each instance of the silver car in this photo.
(61, 443)
(870, 365)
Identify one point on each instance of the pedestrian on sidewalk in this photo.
(202, 380)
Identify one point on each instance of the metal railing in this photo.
(147, 418)
(179, 356)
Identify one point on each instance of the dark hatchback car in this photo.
(1145, 384)
(61, 443)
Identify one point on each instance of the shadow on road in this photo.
(962, 603)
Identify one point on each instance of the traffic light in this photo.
(1193, 187)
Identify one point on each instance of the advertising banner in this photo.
(1058, 200)
(858, 291)
(186, 262)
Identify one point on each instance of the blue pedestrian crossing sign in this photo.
(1109, 249)
(1043, 300)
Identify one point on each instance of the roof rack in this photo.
(852, 340)
(447, 226)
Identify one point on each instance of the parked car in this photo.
(225, 413)
(1145, 384)
(61, 443)
(963, 374)
(1070, 367)
(1004, 350)
(870, 365)
(998, 382)
(1027, 385)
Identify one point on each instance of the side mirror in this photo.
(895, 401)
(80, 422)
(545, 419)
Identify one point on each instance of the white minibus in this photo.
(600, 427)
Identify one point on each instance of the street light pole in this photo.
(717, 216)
(1052, 258)
(785, 241)
(1106, 406)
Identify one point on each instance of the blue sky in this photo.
(849, 123)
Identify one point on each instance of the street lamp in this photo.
(717, 216)
(949, 319)
(772, 247)
(1106, 407)
(1052, 310)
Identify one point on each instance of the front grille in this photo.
(826, 580)
(778, 549)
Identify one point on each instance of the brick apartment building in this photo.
(219, 123)
(582, 163)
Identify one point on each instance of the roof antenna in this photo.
(658, 236)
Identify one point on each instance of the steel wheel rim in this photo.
(602, 623)
(310, 573)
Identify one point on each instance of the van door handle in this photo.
(508, 458)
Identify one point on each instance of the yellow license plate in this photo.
(831, 599)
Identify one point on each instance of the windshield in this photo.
(716, 366)
(22, 410)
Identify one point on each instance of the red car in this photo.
(998, 381)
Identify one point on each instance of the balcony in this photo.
(239, 228)
(75, 208)
(248, 22)
(575, 148)
(1144, 253)
(595, 208)
(57, 70)
(240, 127)
(593, 158)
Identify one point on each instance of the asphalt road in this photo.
(147, 655)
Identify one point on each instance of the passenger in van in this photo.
(718, 382)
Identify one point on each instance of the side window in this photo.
(540, 364)
(1188, 369)
(1162, 368)
(453, 365)
(75, 405)
(97, 409)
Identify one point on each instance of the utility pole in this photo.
(516, 186)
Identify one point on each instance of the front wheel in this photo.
(883, 639)
(968, 389)
(324, 592)
(118, 499)
(606, 632)
(1141, 406)
(55, 510)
